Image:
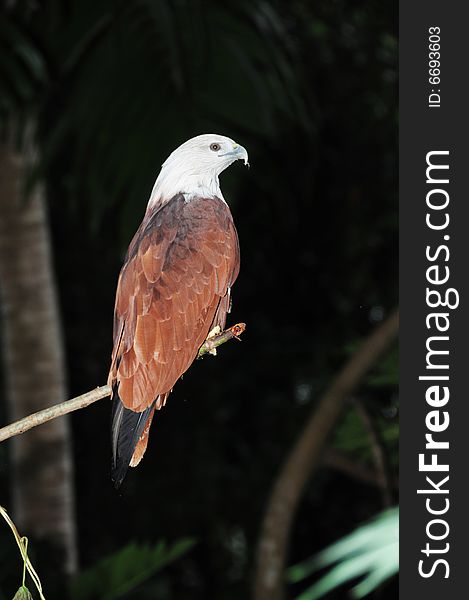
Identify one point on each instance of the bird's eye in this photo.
(215, 147)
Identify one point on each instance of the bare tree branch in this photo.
(85, 400)
(342, 462)
(378, 453)
(305, 457)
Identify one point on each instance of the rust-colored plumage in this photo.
(173, 290)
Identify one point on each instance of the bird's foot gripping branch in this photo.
(212, 342)
(104, 391)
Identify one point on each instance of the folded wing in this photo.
(173, 289)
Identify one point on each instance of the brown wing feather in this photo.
(173, 287)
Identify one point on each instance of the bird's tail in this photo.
(129, 431)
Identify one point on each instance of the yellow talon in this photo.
(215, 331)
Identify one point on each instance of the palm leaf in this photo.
(120, 573)
(371, 552)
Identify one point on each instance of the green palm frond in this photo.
(371, 553)
(23, 69)
(120, 573)
(124, 83)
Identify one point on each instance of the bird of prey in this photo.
(173, 289)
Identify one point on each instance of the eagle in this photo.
(173, 290)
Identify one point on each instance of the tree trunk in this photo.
(42, 473)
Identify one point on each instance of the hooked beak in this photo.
(238, 153)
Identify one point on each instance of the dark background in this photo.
(309, 88)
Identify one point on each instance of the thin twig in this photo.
(378, 453)
(342, 462)
(22, 544)
(217, 340)
(58, 410)
(52, 412)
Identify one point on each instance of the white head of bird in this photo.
(194, 167)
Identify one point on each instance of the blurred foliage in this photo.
(120, 574)
(310, 88)
(351, 435)
(371, 553)
(91, 56)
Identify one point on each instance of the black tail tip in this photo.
(118, 473)
(126, 428)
